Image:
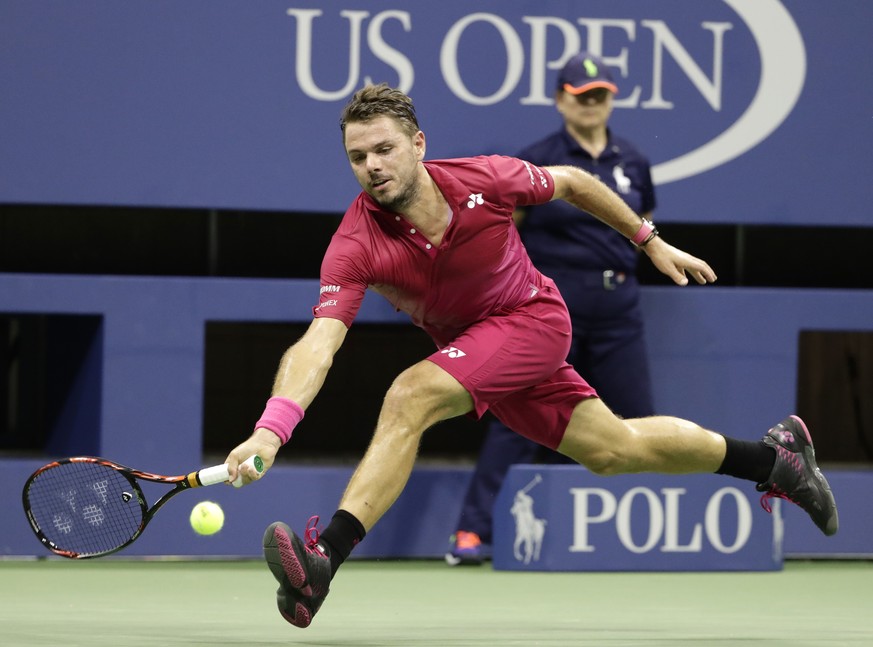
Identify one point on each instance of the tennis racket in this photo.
(85, 507)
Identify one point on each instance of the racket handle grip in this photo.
(255, 463)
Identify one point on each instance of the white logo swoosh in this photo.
(783, 72)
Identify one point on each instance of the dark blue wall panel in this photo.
(724, 357)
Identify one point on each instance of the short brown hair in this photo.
(381, 100)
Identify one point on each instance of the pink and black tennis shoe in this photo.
(796, 476)
(302, 570)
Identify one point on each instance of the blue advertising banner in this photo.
(564, 518)
(751, 111)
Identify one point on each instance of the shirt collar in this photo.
(453, 190)
(573, 146)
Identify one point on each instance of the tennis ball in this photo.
(207, 518)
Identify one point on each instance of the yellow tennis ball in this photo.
(207, 518)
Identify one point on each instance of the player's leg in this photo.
(421, 396)
(782, 463)
(492, 358)
(605, 444)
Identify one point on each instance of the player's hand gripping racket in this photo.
(86, 507)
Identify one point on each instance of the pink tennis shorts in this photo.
(515, 365)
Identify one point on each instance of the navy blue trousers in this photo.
(608, 349)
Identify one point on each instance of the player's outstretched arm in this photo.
(585, 192)
(301, 374)
(678, 264)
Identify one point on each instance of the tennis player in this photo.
(436, 239)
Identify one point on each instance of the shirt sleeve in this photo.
(521, 183)
(647, 191)
(343, 281)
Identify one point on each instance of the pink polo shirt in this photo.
(501, 327)
(480, 268)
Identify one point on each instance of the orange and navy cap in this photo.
(585, 72)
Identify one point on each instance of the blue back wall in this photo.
(226, 104)
(724, 357)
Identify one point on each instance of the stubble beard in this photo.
(404, 198)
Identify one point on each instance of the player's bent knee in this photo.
(606, 463)
(595, 457)
(602, 443)
(414, 385)
(426, 394)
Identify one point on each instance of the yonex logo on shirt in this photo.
(475, 198)
(453, 352)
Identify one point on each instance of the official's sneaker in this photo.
(466, 549)
(302, 570)
(796, 476)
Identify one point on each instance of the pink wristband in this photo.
(280, 416)
(645, 230)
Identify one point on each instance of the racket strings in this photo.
(86, 508)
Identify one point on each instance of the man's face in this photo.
(587, 110)
(385, 159)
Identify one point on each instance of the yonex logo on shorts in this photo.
(475, 198)
(453, 352)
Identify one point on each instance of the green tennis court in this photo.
(408, 603)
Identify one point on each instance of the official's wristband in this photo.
(644, 235)
(280, 416)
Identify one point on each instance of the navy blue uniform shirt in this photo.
(559, 235)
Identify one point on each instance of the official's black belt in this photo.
(607, 279)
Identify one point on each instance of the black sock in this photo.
(750, 460)
(342, 534)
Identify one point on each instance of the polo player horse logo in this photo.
(529, 530)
